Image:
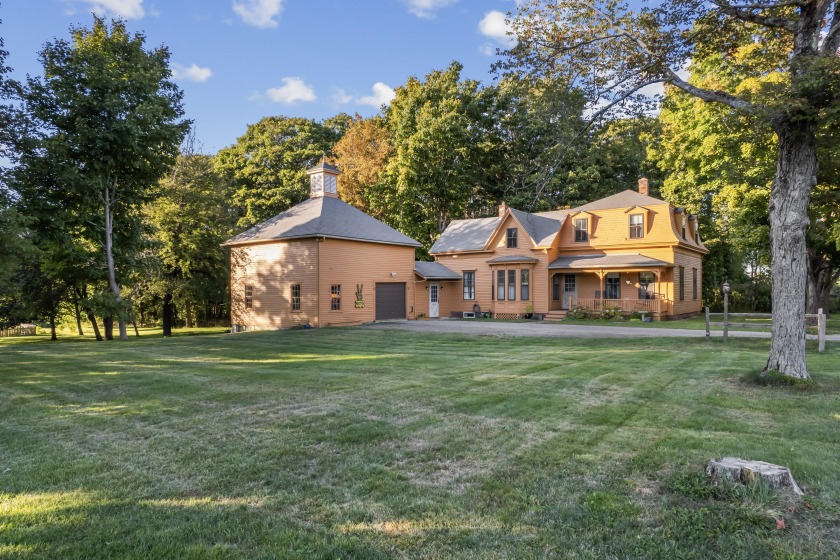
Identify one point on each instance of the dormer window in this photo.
(581, 230)
(637, 230)
(511, 238)
(683, 226)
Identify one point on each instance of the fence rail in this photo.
(640, 305)
(20, 330)
(726, 324)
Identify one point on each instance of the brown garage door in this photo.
(390, 301)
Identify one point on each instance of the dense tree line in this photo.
(92, 237)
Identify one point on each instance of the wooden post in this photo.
(708, 328)
(725, 315)
(821, 330)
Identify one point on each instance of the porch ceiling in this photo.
(607, 261)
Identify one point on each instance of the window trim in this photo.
(501, 278)
(524, 284)
(511, 288)
(249, 296)
(612, 276)
(512, 240)
(694, 283)
(469, 288)
(295, 299)
(335, 297)
(640, 226)
(581, 235)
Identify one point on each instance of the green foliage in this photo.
(267, 165)
(105, 126)
(579, 312)
(189, 218)
(444, 149)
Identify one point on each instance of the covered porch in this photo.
(631, 283)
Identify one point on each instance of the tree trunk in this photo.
(136, 332)
(52, 328)
(92, 318)
(108, 325)
(78, 313)
(189, 315)
(167, 314)
(796, 175)
(109, 257)
(821, 278)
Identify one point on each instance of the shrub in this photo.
(579, 312)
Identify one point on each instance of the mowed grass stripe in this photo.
(356, 443)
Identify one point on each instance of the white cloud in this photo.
(128, 9)
(192, 73)
(382, 95)
(426, 8)
(259, 13)
(292, 91)
(494, 26)
(341, 97)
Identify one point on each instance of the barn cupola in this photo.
(323, 180)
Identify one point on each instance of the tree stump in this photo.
(745, 472)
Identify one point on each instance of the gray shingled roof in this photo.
(434, 271)
(323, 166)
(323, 216)
(512, 259)
(465, 235)
(542, 229)
(624, 199)
(606, 261)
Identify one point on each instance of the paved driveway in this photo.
(539, 328)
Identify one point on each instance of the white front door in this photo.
(569, 290)
(434, 308)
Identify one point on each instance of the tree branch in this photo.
(710, 95)
(831, 42)
(744, 14)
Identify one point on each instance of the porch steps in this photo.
(556, 315)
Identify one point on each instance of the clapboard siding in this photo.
(271, 269)
(353, 263)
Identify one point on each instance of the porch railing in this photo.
(629, 305)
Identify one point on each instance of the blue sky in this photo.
(240, 60)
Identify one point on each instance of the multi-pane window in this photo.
(335, 297)
(295, 297)
(469, 284)
(694, 282)
(500, 285)
(682, 284)
(511, 285)
(524, 284)
(645, 283)
(511, 237)
(637, 226)
(613, 287)
(249, 297)
(581, 230)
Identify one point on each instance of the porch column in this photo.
(601, 276)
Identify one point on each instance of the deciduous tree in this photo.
(613, 52)
(107, 127)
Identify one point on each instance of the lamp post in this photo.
(726, 290)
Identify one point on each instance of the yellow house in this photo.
(628, 250)
(320, 263)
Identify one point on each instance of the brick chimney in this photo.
(502, 209)
(643, 186)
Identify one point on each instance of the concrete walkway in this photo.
(540, 328)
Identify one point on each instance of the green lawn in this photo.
(355, 443)
(832, 325)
